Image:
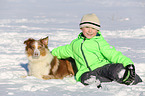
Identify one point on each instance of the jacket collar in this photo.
(81, 35)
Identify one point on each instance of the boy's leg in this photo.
(115, 72)
(107, 73)
(89, 78)
(100, 74)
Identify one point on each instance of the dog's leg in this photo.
(23, 76)
(29, 71)
(70, 69)
(46, 77)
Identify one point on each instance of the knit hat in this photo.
(90, 20)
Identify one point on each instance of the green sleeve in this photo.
(114, 56)
(62, 52)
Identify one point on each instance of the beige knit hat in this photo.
(90, 20)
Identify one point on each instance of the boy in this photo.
(96, 60)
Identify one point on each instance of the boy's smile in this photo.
(89, 32)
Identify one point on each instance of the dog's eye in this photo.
(32, 47)
(39, 47)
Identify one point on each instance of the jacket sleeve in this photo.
(63, 52)
(110, 53)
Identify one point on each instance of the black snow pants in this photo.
(108, 73)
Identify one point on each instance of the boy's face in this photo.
(89, 32)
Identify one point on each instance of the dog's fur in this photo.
(41, 62)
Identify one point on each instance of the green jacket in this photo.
(90, 54)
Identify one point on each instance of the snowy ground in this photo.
(123, 26)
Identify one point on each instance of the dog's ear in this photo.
(44, 41)
(27, 42)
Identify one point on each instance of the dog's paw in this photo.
(23, 76)
(46, 77)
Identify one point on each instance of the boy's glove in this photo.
(129, 75)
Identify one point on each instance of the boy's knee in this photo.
(85, 77)
(88, 78)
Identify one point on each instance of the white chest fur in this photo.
(41, 66)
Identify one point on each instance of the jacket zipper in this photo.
(84, 55)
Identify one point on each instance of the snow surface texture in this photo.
(123, 26)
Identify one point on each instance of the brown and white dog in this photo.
(41, 62)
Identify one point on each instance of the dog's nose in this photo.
(36, 54)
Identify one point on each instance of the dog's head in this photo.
(36, 48)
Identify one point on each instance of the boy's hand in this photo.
(129, 75)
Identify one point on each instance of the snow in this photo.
(122, 23)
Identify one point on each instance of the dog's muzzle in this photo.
(36, 54)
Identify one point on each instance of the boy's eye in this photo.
(87, 27)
